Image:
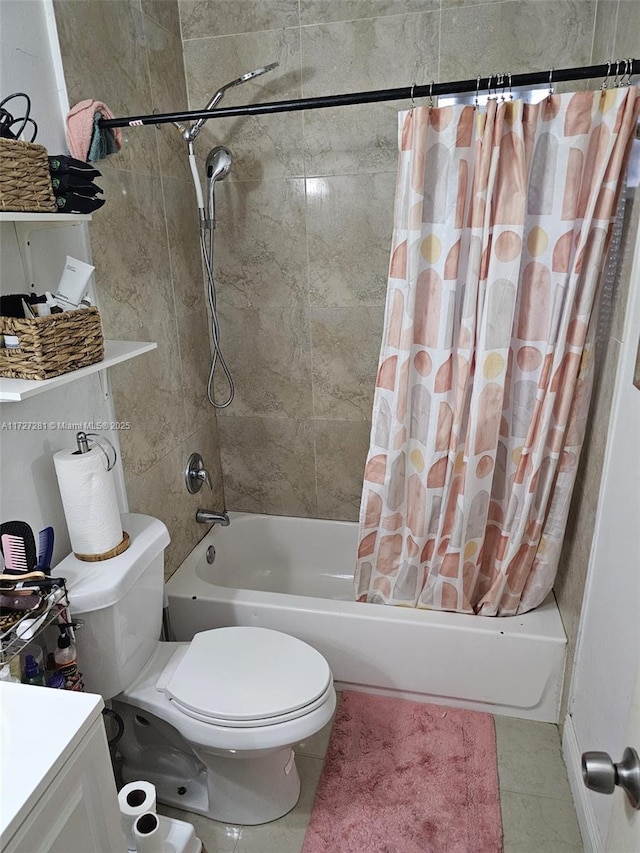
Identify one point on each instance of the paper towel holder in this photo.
(84, 447)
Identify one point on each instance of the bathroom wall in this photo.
(305, 219)
(617, 25)
(145, 249)
(32, 430)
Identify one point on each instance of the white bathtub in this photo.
(295, 575)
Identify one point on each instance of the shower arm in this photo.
(189, 133)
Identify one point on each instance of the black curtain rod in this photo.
(617, 69)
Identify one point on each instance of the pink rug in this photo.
(406, 777)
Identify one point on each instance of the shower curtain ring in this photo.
(431, 95)
(605, 82)
(510, 87)
(551, 89)
(477, 98)
(500, 82)
(628, 65)
(630, 73)
(489, 79)
(616, 82)
(413, 88)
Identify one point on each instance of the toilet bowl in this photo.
(210, 723)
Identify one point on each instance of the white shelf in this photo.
(14, 390)
(14, 216)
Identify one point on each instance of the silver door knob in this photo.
(600, 774)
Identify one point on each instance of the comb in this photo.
(45, 549)
(25, 555)
(15, 555)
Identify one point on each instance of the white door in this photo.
(603, 713)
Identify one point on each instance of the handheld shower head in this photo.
(218, 166)
(218, 163)
(190, 133)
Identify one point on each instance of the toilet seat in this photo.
(245, 677)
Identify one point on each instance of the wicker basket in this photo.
(25, 182)
(50, 346)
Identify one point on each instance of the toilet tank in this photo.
(120, 602)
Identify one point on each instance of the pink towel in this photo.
(80, 125)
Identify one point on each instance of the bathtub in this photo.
(296, 575)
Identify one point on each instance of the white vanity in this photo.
(57, 789)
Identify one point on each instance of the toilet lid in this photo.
(244, 676)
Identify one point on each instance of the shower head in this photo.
(190, 133)
(218, 165)
(251, 74)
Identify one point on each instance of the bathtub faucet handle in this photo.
(195, 474)
(204, 475)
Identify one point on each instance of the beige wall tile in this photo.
(352, 140)
(355, 56)
(263, 146)
(345, 351)
(516, 37)
(268, 353)
(184, 246)
(341, 452)
(161, 492)
(145, 249)
(605, 31)
(627, 29)
(328, 11)
(163, 12)
(260, 243)
(362, 55)
(102, 45)
(129, 244)
(195, 361)
(350, 224)
(148, 392)
(268, 465)
(202, 18)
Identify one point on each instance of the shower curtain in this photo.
(501, 230)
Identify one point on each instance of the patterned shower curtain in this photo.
(483, 387)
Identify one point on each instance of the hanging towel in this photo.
(86, 140)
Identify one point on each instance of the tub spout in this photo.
(207, 516)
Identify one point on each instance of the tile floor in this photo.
(537, 810)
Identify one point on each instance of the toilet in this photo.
(210, 723)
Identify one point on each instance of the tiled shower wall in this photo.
(145, 248)
(305, 218)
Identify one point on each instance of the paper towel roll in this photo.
(89, 500)
(147, 834)
(135, 799)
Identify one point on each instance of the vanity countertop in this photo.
(39, 729)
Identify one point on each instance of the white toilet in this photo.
(210, 723)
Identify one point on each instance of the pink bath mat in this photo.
(407, 777)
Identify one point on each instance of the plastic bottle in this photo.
(32, 672)
(56, 681)
(66, 663)
(7, 675)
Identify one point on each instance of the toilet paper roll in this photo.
(147, 834)
(89, 500)
(135, 799)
